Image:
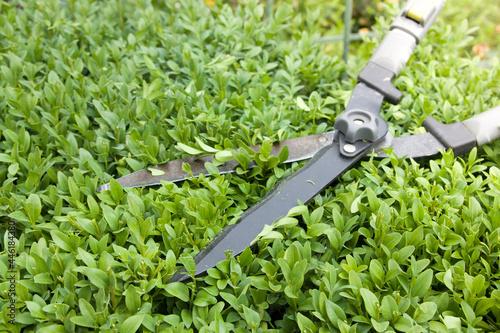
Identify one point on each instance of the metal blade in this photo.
(302, 148)
(303, 185)
(412, 146)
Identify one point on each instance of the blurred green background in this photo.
(483, 17)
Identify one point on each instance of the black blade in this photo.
(303, 185)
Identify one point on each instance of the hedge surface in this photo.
(94, 90)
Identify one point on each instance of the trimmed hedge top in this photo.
(94, 90)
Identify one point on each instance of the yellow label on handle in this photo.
(419, 9)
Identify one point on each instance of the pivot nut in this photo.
(358, 125)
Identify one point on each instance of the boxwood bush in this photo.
(94, 90)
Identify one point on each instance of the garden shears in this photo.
(359, 130)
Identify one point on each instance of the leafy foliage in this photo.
(93, 90)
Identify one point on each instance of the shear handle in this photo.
(408, 29)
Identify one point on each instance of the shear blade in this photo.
(301, 186)
(299, 149)
(325, 167)
(303, 148)
(412, 146)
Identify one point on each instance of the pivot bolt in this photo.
(350, 149)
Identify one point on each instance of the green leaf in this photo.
(372, 199)
(33, 207)
(135, 204)
(43, 278)
(283, 155)
(178, 289)
(316, 215)
(298, 210)
(246, 257)
(82, 321)
(189, 264)
(188, 149)
(13, 169)
(87, 225)
(156, 172)
(252, 317)
(148, 62)
(380, 327)
(170, 260)
(282, 13)
(469, 312)
(371, 302)
(389, 308)
(86, 258)
(63, 241)
(254, 52)
(425, 312)
(134, 164)
(5, 158)
(186, 167)
(306, 325)
(422, 283)
(212, 169)
(448, 279)
(204, 299)
(132, 299)
(220, 324)
(172, 319)
(35, 309)
(205, 147)
(377, 272)
(224, 156)
(484, 305)
(452, 323)
(334, 312)
(475, 284)
(116, 190)
(266, 148)
(318, 229)
(268, 234)
(398, 115)
(110, 216)
(54, 328)
(302, 105)
(231, 300)
(355, 280)
(403, 324)
(74, 190)
(437, 327)
(87, 310)
(286, 222)
(95, 276)
(173, 66)
(132, 324)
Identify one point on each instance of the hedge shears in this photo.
(359, 130)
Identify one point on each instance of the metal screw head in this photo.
(358, 121)
(350, 149)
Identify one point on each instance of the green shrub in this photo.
(94, 90)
